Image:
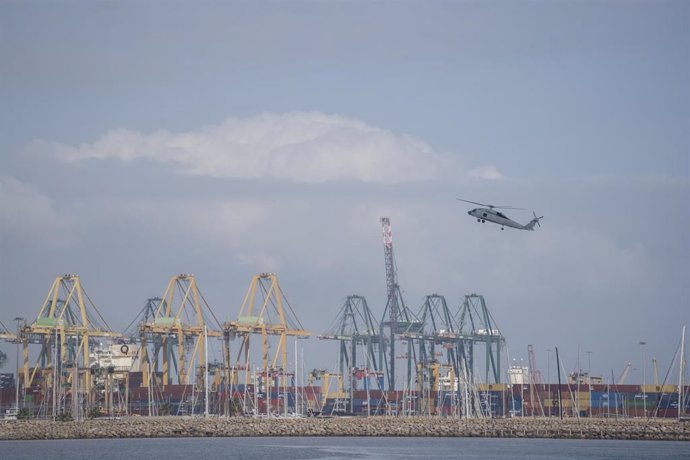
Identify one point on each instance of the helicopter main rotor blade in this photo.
(474, 202)
(490, 206)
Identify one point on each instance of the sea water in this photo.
(294, 448)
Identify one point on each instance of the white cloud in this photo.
(228, 224)
(27, 212)
(487, 172)
(242, 230)
(307, 147)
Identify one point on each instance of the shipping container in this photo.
(7, 396)
(6, 381)
(514, 405)
(492, 403)
(659, 388)
(492, 387)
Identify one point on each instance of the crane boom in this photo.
(396, 316)
(391, 275)
(534, 372)
(656, 372)
(624, 375)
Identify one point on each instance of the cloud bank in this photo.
(305, 147)
(488, 172)
(25, 211)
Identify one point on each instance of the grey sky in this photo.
(144, 139)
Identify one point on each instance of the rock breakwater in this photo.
(149, 427)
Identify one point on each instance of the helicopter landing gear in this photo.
(501, 228)
(479, 220)
(483, 221)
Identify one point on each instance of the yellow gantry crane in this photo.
(266, 312)
(182, 320)
(6, 335)
(66, 324)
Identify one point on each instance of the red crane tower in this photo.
(400, 318)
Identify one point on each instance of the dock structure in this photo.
(476, 322)
(6, 334)
(160, 365)
(397, 318)
(438, 334)
(265, 312)
(175, 334)
(66, 327)
(360, 344)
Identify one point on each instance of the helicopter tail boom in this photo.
(530, 225)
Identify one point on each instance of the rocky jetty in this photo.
(149, 427)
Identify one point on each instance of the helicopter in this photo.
(497, 217)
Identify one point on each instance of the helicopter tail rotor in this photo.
(537, 218)
(530, 225)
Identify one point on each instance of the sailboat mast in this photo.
(560, 403)
(681, 402)
(205, 371)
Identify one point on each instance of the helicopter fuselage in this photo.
(497, 217)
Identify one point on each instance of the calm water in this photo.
(341, 448)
